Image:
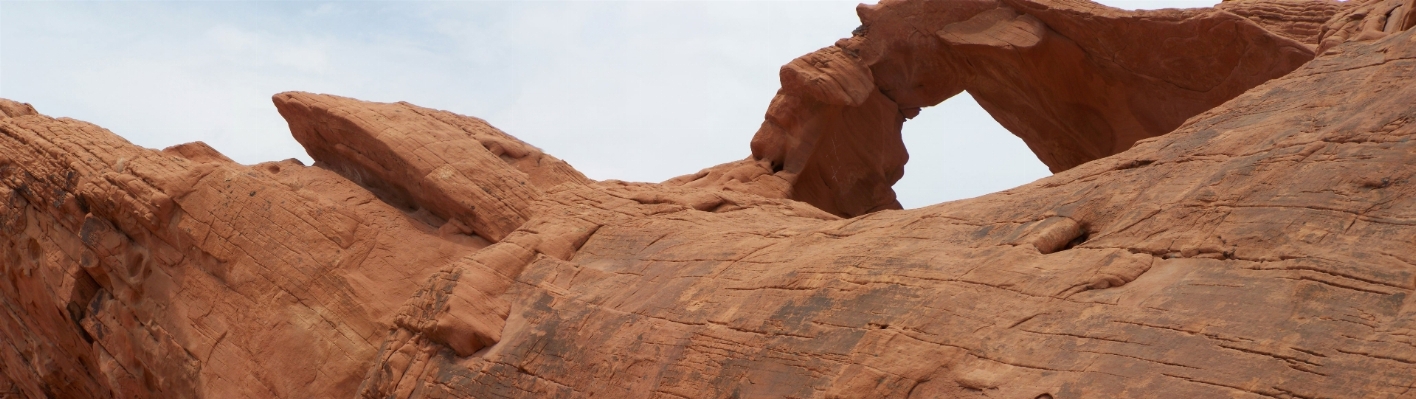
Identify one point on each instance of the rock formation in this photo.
(1369, 21)
(1075, 80)
(1238, 225)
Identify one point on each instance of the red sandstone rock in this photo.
(1300, 20)
(458, 168)
(1368, 21)
(139, 273)
(1075, 80)
(12, 109)
(1261, 249)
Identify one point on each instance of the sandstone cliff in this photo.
(1234, 225)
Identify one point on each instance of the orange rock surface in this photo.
(1074, 79)
(1260, 246)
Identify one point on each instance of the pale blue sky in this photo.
(640, 91)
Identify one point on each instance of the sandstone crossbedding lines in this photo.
(1260, 249)
(244, 268)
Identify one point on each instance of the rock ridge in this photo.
(1261, 247)
(1075, 80)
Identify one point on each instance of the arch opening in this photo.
(832, 136)
(958, 151)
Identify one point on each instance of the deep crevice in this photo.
(1081, 238)
(85, 290)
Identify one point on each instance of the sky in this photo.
(636, 91)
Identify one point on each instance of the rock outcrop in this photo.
(1368, 21)
(458, 168)
(1075, 80)
(1299, 20)
(1261, 248)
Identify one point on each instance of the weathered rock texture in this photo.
(1298, 20)
(1264, 248)
(459, 168)
(1370, 21)
(1075, 80)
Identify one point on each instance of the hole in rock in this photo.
(958, 151)
(36, 252)
(137, 267)
(1081, 238)
(84, 290)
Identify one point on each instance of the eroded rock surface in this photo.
(1261, 249)
(458, 168)
(1300, 20)
(1368, 21)
(1075, 80)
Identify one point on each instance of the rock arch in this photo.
(1075, 80)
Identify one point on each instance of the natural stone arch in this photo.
(958, 151)
(1076, 80)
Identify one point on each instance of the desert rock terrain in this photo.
(1231, 215)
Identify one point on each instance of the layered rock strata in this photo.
(1261, 249)
(1368, 21)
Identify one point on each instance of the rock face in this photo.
(458, 168)
(1075, 80)
(1370, 21)
(1263, 248)
(1298, 20)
